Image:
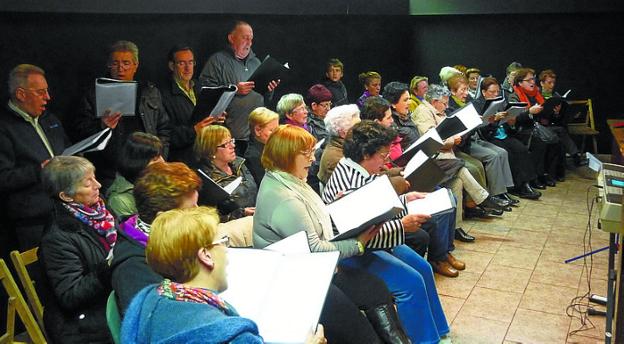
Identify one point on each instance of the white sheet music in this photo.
(233, 185)
(90, 144)
(435, 202)
(469, 117)
(116, 96)
(296, 243)
(415, 162)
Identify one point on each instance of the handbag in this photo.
(544, 134)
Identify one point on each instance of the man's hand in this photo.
(273, 84)
(111, 120)
(245, 87)
(414, 195)
(557, 109)
(412, 222)
(535, 109)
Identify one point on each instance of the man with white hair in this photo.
(29, 137)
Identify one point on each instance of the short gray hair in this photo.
(437, 91)
(18, 76)
(125, 46)
(64, 173)
(288, 102)
(341, 118)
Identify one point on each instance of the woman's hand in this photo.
(249, 211)
(318, 337)
(499, 116)
(368, 234)
(412, 222)
(535, 109)
(414, 195)
(110, 119)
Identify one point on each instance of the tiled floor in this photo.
(516, 286)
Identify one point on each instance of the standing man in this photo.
(234, 65)
(150, 115)
(29, 137)
(179, 98)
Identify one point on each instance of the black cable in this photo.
(579, 306)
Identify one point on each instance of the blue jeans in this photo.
(445, 230)
(410, 280)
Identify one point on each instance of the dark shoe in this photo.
(476, 212)
(461, 235)
(386, 323)
(502, 201)
(494, 212)
(456, 263)
(512, 200)
(579, 160)
(490, 203)
(536, 184)
(526, 191)
(444, 269)
(548, 180)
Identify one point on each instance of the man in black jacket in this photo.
(179, 97)
(150, 115)
(29, 137)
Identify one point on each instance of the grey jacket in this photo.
(223, 68)
(280, 213)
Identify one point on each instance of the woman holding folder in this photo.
(286, 205)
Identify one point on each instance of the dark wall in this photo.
(72, 47)
(581, 48)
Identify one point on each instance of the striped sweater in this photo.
(347, 176)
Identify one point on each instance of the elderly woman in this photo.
(473, 74)
(546, 156)
(293, 110)
(162, 186)
(186, 307)
(319, 99)
(140, 150)
(522, 168)
(214, 149)
(338, 121)
(287, 206)
(75, 252)
(418, 89)
(262, 123)
(371, 81)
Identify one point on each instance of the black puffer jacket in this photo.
(78, 283)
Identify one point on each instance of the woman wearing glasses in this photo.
(546, 156)
(216, 156)
(186, 307)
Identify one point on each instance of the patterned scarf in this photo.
(523, 95)
(180, 292)
(96, 217)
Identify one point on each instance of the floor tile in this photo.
(483, 243)
(476, 262)
(505, 278)
(559, 253)
(537, 327)
(451, 306)
(516, 257)
(491, 304)
(471, 329)
(526, 239)
(565, 275)
(459, 287)
(578, 339)
(547, 298)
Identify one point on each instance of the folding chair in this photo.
(20, 262)
(17, 303)
(584, 126)
(113, 318)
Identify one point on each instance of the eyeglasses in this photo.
(122, 64)
(230, 142)
(326, 105)
(529, 80)
(185, 63)
(225, 241)
(299, 109)
(308, 154)
(385, 155)
(41, 92)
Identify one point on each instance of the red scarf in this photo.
(524, 95)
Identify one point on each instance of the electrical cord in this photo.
(580, 307)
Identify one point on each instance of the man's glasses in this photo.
(185, 63)
(122, 64)
(225, 241)
(41, 92)
(228, 142)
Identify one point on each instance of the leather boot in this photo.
(386, 323)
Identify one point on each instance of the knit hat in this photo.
(318, 94)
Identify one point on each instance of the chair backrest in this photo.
(17, 303)
(113, 318)
(588, 113)
(20, 262)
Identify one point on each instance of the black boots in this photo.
(386, 323)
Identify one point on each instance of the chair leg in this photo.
(595, 145)
(583, 143)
